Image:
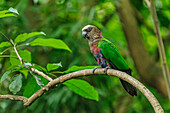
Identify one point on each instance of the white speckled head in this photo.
(87, 26)
(90, 32)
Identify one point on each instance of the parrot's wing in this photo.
(111, 53)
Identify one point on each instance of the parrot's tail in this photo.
(128, 87)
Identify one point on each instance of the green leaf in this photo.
(53, 66)
(30, 88)
(54, 43)
(38, 80)
(40, 68)
(6, 13)
(22, 37)
(25, 54)
(14, 61)
(5, 44)
(16, 84)
(82, 88)
(77, 68)
(25, 72)
(5, 75)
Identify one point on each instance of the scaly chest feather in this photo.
(101, 60)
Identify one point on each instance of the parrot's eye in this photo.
(89, 29)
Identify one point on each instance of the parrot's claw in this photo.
(105, 70)
(95, 69)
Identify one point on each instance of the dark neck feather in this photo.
(93, 43)
(100, 35)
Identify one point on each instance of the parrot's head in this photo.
(91, 32)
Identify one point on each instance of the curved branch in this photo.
(14, 97)
(154, 102)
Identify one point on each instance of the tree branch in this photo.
(157, 107)
(27, 102)
(14, 97)
(40, 73)
(165, 69)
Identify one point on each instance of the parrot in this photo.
(107, 55)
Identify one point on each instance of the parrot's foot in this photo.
(105, 70)
(95, 69)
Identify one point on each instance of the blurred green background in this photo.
(64, 19)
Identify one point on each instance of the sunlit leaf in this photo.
(53, 66)
(13, 10)
(82, 88)
(28, 64)
(54, 43)
(5, 44)
(77, 68)
(16, 84)
(6, 13)
(22, 37)
(24, 72)
(25, 54)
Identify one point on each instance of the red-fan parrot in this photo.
(107, 55)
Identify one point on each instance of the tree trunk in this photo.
(149, 71)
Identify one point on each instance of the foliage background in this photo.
(64, 19)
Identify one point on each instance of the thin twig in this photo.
(5, 50)
(14, 97)
(5, 36)
(165, 69)
(2, 56)
(41, 73)
(20, 59)
(31, 69)
(154, 102)
(148, 3)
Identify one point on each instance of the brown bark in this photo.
(149, 71)
(110, 72)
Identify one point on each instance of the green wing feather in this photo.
(111, 53)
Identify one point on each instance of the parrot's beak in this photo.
(84, 34)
